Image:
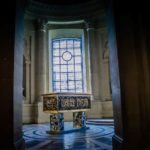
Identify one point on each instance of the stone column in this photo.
(94, 62)
(106, 73)
(41, 60)
(87, 63)
(104, 64)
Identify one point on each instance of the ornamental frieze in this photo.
(66, 102)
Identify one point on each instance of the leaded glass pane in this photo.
(70, 44)
(56, 52)
(63, 62)
(78, 76)
(56, 44)
(71, 62)
(62, 51)
(79, 90)
(57, 85)
(71, 50)
(78, 84)
(56, 76)
(64, 76)
(78, 68)
(77, 43)
(70, 68)
(71, 85)
(63, 68)
(56, 60)
(63, 85)
(63, 44)
(67, 65)
(77, 51)
(71, 76)
(77, 59)
(64, 90)
(57, 90)
(71, 90)
(56, 68)
(67, 56)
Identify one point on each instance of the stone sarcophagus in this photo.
(57, 103)
(62, 102)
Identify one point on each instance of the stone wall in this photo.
(37, 69)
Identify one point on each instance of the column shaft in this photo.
(41, 60)
(94, 63)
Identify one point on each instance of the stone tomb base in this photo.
(57, 123)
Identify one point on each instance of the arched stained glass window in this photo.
(67, 65)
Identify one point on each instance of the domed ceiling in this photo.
(63, 2)
(66, 10)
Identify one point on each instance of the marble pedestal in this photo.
(56, 122)
(79, 119)
(58, 103)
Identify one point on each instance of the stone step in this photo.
(100, 121)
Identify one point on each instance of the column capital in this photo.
(89, 25)
(28, 62)
(41, 24)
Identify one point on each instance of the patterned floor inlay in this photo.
(101, 121)
(98, 137)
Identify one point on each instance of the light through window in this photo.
(67, 65)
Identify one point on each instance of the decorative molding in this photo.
(78, 24)
(66, 22)
(42, 24)
(95, 23)
(66, 26)
(89, 25)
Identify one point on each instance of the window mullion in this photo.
(60, 65)
(67, 68)
(74, 68)
(81, 65)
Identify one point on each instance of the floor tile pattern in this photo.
(97, 137)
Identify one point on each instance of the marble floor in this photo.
(97, 137)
